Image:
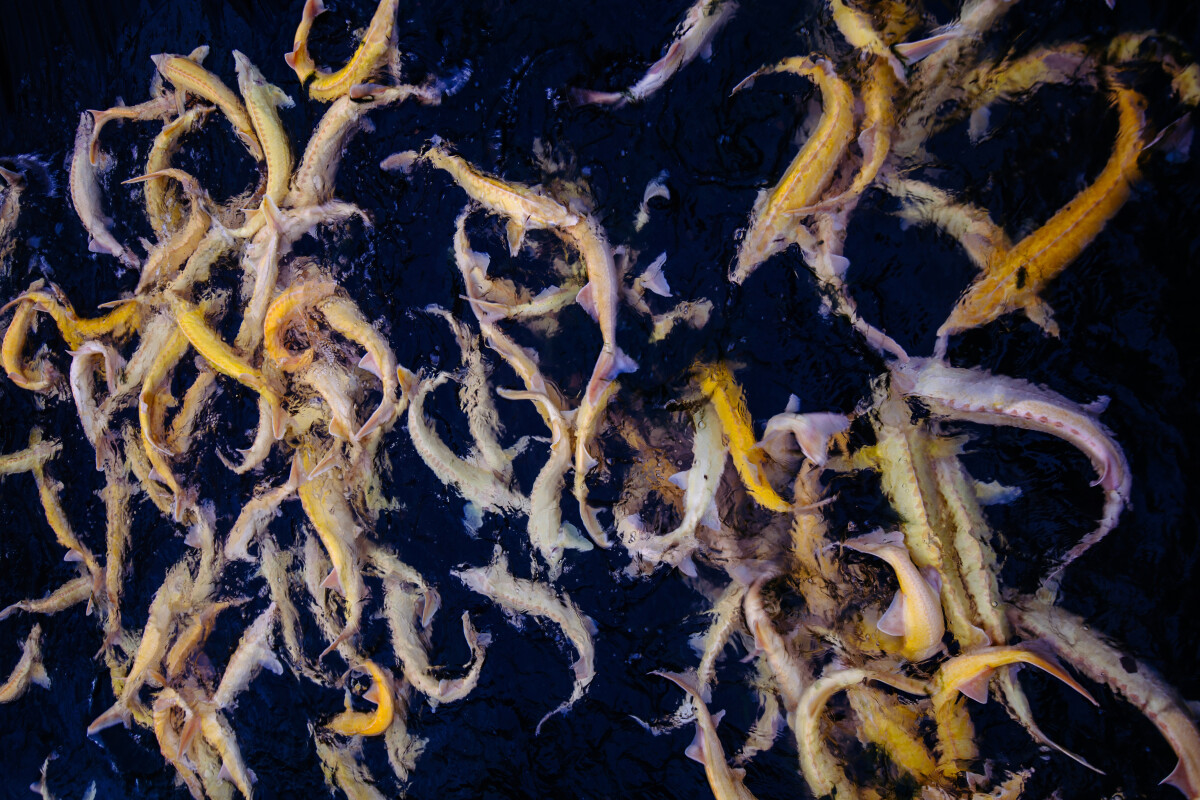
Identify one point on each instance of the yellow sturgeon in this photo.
(774, 222)
(187, 75)
(382, 693)
(1016, 278)
(373, 53)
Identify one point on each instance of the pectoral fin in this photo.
(977, 687)
(1040, 314)
(892, 621)
(516, 236)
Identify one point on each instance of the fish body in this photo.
(187, 75)
(165, 260)
(263, 101)
(726, 782)
(316, 175)
(161, 207)
(919, 620)
(903, 455)
(974, 395)
(774, 222)
(547, 532)
(373, 53)
(1015, 278)
(718, 385)
(539, 600)
(219, 734)
(792, 677)
(478, 484)
(325, 504)
(224, 359)
(84, 180)
(71, 593)
(29, 669)
(345, 318)
(359, 723)
(37, 377)
(1091, 653)
(252, 654)
(824, 775)
(693, 37)
(162, 107)
(293, 305)
(124, 319)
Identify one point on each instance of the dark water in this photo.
(1126, 308)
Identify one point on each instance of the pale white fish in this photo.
(85, 196)
(92, 417)
(792, 675)
(549, 535)
(475, 397)
(540, 600)
(693, 37)
(252, 654)
(975, 395)
(404, 607)
(726, 782)
(812, 432)
(700, 481)
(916, 611)
(257, 514)
(150, 650)
(478, 485)
(337, 387)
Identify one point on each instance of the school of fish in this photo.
(904, 629)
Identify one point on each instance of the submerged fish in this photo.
(693, 37)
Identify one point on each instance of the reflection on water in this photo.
(1120, 307)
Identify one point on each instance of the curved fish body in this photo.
(125, 318)
(718, 385)
(856, 28)
(345, 318)
(252, 654)
(84, 180)
(165, 260)
(1092, 654)
(36, 377)
(587, 424)
(526, 207)
(224, 359)
(478, 484)
(974, 395)
(375, 51)
(29, 669)
(539, 600)
(374, 723)
(693, 37)
(94, 420)
(824, 775)
(547, 532)
(969, 675)
(726, 782)
(161, 206)
(316, 175)
(152, 402)
(409, 611)
(791, 676)
(1015, 279)
(904, 456)
(161, 107)
(916, 611)
(263, 101)
(701, 479)
(293, 305)
(774, 222)
(186, 74)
